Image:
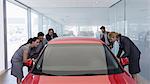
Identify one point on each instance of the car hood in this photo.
(74, 80)
(97, 79)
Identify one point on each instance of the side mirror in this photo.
(124, 61)
(28, 63)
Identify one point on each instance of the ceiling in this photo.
(73, 12)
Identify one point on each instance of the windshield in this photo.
(76, 59)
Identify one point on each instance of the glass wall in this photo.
(17, 32)
(132, 18)
(21, 22)
(117, 17)
(83, 31)
(59, 29)
(45, 25)
(87, 31)
(70, 30)
(138, 29)
(34, 23)
(2, 63)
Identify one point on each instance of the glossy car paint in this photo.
(123, 78)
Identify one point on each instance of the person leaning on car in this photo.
(36, 51)
(20, 57)
(130, 51)
(51, 35)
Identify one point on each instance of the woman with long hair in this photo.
(130, 51)
(20, 57)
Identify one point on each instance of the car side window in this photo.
(113, 66)
(38, 64)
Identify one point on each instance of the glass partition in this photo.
(2, 61)
(132, 18)
(45, 25)
(17, 31)
(83, 31)
(34, 23)
(138, 29)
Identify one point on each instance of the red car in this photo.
(77, 61)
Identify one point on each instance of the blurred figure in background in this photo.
(97, 34)
(51, 34)
(104, 37)
(130, 51)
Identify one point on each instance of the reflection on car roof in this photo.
(75, 40)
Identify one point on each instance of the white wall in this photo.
(2, 38)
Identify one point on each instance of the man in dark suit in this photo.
(51, 34)
(130, 51)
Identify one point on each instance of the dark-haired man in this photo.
(36, 51)
(104, 37)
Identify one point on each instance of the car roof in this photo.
(75, 40)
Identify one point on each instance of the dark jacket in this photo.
(34, 53)
(131, 51)
(48, 37)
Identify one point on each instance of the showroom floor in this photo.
(6, 78)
